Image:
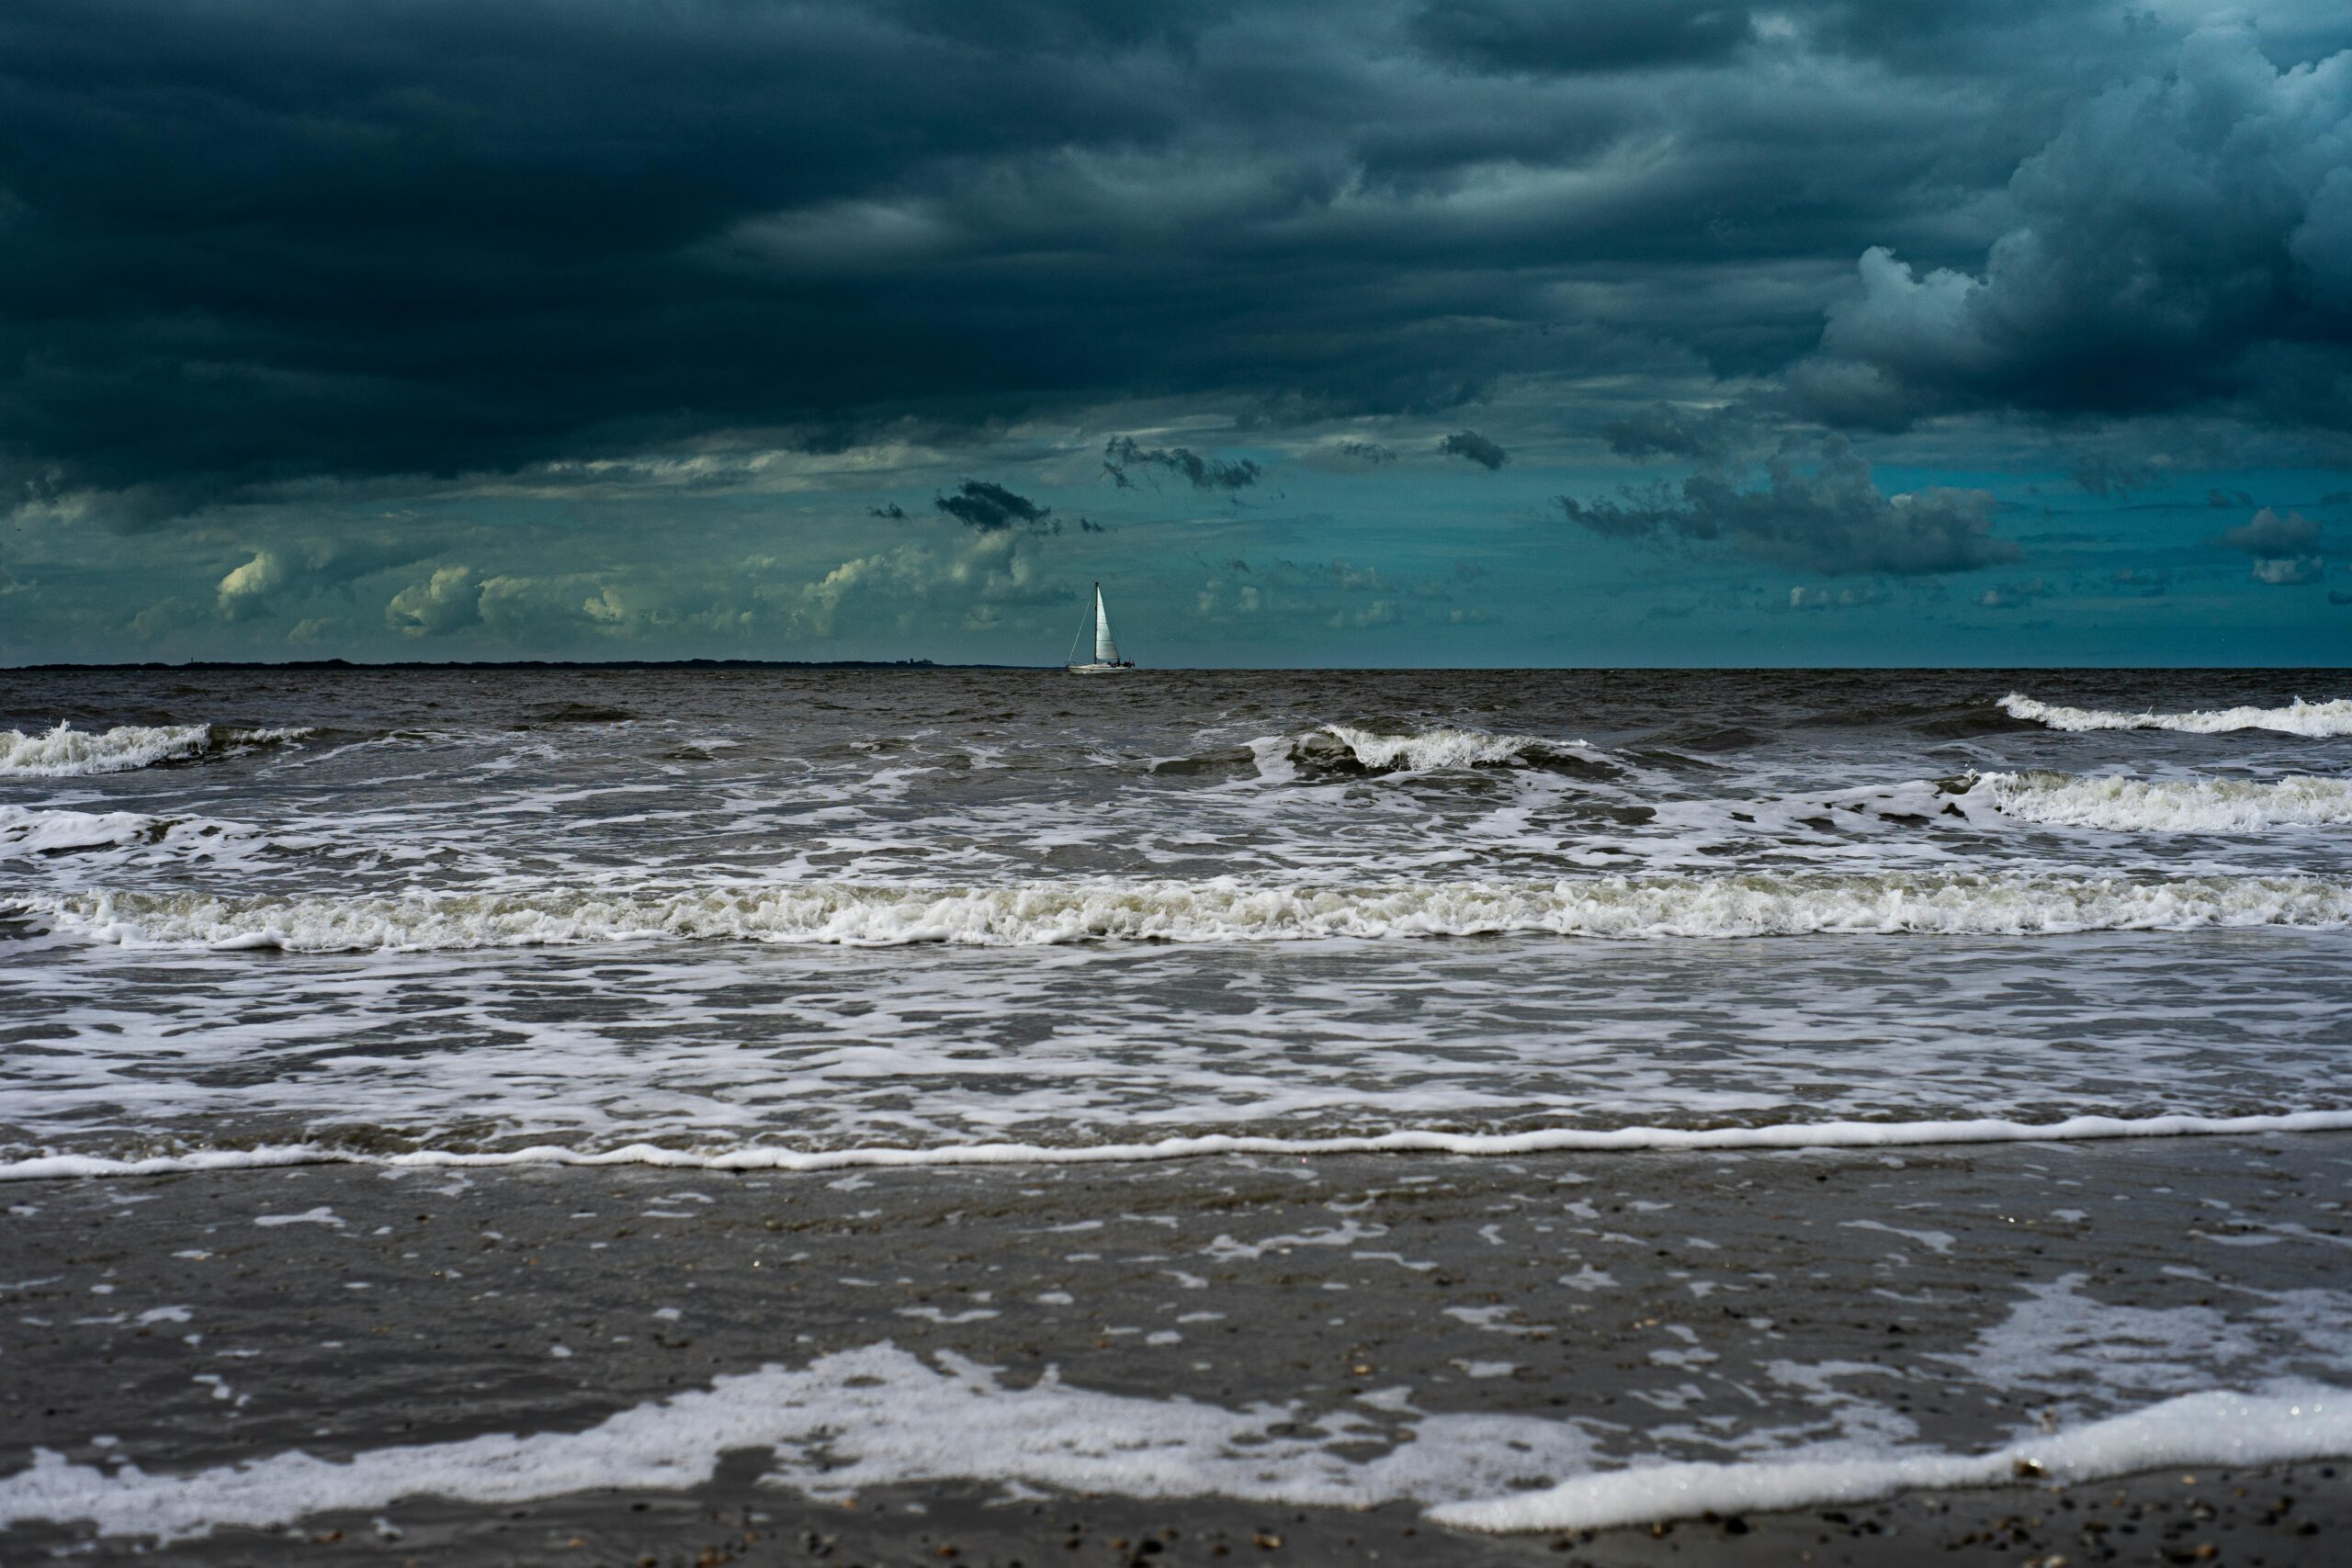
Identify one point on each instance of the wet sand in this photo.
(197, 1322)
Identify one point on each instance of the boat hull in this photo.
(1097, 669)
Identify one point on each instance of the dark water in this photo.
(729, 911)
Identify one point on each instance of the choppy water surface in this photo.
(728, 910)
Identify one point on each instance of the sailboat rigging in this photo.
(1106, 659)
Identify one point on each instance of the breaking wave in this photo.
(1345, 749)
(2298, 717)
(2168, 806)
(1221, 911)
(67, 752)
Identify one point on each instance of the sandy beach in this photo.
(1293, 1359)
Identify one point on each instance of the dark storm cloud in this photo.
(246, 247)
(1121, 454)
(1471, 446)
(1372, 453)
(892, 513)
(2185, 239)
(1547, 36)
(1664, 431)
(988, 507)
(1833, 520)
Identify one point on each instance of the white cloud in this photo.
(243, 590)
(442, 603)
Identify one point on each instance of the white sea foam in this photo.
(861, 1419)
(26, 832)
(1217, 911)
(1550, 1140)
(1427, 751)
(880, 1416)
(2284, 1422)
(31, 834)
(67, 752)
(2170, 806)
(2298, 717)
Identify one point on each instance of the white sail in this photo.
(1105, 650)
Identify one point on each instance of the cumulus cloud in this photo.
(1474, 448)
(242, 592)
(1833, 520)
(442, 603)
(978, 503)
(978, 579)
(2184, 237)
(2268, 534)
(1372, 453)
(2285, 549)
(2289, 572)
(1122, 453)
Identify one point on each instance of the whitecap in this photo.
(67, 752)
(2168, 806)
(1221, 910)
(2298, 717)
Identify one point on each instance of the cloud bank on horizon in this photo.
(1451, 330)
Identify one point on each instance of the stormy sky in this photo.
(1440, 331)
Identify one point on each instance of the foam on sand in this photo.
(2168, 806)
(2298, 717)
(1549, 1140)
(2286, 1422)
(67, 752)
(1219, 910)
(880, 1416)
(868, 1417)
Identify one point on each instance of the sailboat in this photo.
(1107, 660)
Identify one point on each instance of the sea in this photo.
(782, 917)
(1229, 972)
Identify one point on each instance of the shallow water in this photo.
(723, 910)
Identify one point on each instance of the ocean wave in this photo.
(2167, 805)
(1346, 748)
(55, 1166)
(2314, 719)
(1219, 911)
(67, 752)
